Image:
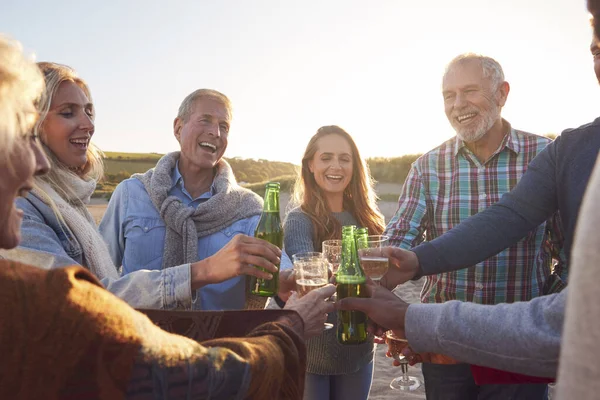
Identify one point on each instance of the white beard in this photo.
(474, 133)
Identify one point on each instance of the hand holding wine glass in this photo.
(311, 272)
(313, 309)
(404, 266)
(372, 260)
(396, 346)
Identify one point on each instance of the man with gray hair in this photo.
(460, 178)
(188, 214)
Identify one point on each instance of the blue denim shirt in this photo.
(135, 234)
(43, 233)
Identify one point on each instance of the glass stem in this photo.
(404, 366)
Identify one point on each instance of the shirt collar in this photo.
(177, 179)
(510, 141)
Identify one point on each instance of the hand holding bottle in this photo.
(384, 309)
(240, 256)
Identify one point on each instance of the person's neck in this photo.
(195, 180)
(335, 201)
(485, 147)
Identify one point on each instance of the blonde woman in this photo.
(57, 228)
(334, 189)
(63, 336)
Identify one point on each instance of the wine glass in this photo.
(371, 260)
(395, 346)
(310, 272)
(332, 251)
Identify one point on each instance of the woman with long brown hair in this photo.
(334, 189)
(63, 336)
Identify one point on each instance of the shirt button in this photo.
(483, 196)
(145, 229)
(478, 286)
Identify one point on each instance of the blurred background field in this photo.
(254, 174)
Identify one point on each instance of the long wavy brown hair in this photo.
(359, 196)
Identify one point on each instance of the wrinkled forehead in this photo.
(211, 106)
(464, 73)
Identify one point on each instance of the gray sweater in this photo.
(579, 373)
(325, 356)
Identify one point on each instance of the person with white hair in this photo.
(64, 336)
(57, 228)
(460, 178)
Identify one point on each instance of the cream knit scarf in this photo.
(79, 222)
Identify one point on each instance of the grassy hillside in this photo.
(249, 172)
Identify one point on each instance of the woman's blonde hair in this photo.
(21, 84)
(359, 196)
(55, 74)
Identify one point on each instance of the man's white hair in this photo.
(491, 68)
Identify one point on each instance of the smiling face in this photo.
(332, 164)
(203, 135)
(24, 162)
(471, 103)
(68, 127)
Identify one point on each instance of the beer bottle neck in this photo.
(271, 200)
(350, 262)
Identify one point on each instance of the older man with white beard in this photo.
(459, 178)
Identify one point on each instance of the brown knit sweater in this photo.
(63, 336)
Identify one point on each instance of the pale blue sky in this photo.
(372, 67)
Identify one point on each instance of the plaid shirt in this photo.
(449, 184)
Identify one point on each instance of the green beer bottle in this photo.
(352, 325)
(269, 229)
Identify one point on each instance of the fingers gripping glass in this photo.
(372, 261)
(310, 273)
(395, 346)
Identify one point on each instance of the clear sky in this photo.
(373, 67)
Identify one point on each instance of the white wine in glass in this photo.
(395, 346)
(311, 272)
(371, 260)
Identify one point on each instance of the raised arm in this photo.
(131, 357)
(406, 228)
(166, 289)
(521, 337)
(531, 202)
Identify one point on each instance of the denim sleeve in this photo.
(286, 263)
(111, 226)
(531, 202)
(522, 337)
(37, 235)
(166, 289)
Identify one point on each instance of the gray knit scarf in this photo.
(185, 225)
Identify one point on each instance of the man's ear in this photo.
(503, 91)
(177, 125)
